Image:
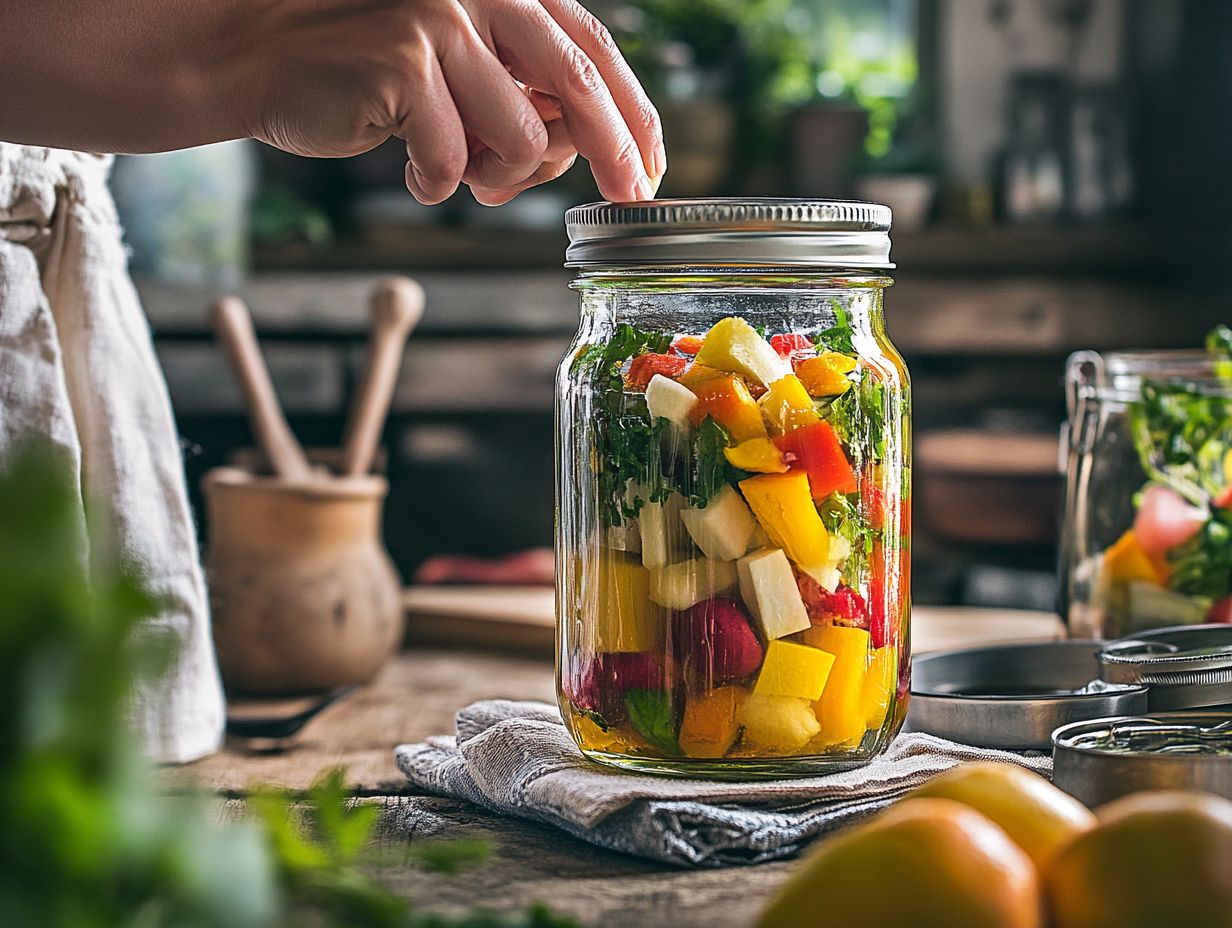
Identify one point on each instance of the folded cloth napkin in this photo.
(516, 758)
(77, 368)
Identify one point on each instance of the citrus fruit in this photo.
(1158, 859)
(926, 863)
(1037, 815)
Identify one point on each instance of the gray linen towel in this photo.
(516, 758)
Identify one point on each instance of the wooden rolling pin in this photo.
(233, 327)
(397, 306)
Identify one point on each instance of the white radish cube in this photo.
(768, 588)
(723, 528)
(686, 584)
(669, 400)
(661, 531)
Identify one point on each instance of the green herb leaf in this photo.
(711, 471)
(651, 713)
(859, 418)
(841, 515)
(1202, 566)
(1181, 435)
(595, 717)
(627, 442)
(838, 336)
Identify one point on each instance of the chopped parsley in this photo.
(838, 336)
(710, 470)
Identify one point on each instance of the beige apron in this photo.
(77, 367)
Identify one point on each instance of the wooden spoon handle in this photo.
(397, 306)
(233, 327)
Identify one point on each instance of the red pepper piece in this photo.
(791, 344)
(842, 607)
(643, 368)
(819, 453)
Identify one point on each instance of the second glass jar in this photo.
(733, 519)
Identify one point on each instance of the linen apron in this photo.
(77, 367)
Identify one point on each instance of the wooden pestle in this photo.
(233, 327)
(397, 306)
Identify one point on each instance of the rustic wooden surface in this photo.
(416, 696)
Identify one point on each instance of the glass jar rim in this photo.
(751, 231)
(1118, 376)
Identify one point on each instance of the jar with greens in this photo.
(1147, 536)
(733, 489)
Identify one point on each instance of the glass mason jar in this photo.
(733, 489)
(1147, 534)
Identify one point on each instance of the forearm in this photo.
(125, 75)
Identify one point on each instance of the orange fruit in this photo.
(1157, 859)
(925, 863)
(1037, 815)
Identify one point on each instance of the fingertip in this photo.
(425, 193)
(491, 197)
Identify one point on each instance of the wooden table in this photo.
(418, 694)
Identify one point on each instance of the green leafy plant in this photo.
(87, 837)
(651, 713)
(629, 440)
(711, 470)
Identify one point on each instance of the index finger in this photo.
(640, 115)
(540, 53)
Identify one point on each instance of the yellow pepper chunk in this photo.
(759, 455)
(841, 707)
(697, 374)
(625, 618)
(826, 374)
(793, 670)
(880, 684)
(787, 406)
(784, 507)
(1126, 560)
(709, 727)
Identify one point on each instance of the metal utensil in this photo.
(1185, 667)
(1099, 760)
(279, 727)
(1014, 696)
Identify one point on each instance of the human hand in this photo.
(498, 94)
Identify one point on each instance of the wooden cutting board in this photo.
(522, 618)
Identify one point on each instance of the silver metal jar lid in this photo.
(1014, 696)
(743, 232)
(1103, 759)
(1184, 667)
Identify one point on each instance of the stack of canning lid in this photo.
(1104, 744)
(1182, 668)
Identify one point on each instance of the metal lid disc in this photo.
(727, 231)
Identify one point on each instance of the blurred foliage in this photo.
(87, 837)
(279, 216)
(766, 57)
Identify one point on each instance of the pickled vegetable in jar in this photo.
(733, 489)
(1147, 537)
